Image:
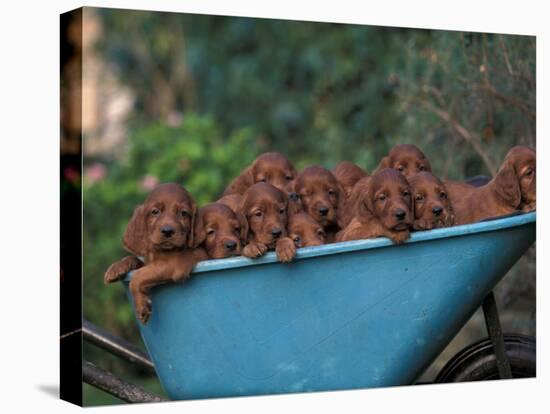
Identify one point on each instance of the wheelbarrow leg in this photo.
(494, 330)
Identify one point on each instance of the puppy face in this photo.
(407, 159)
(163, 222)
(274, 168)
(320, 193)
(220, 230)
(389, 199)
(265, 209)
(305, 231)
(431, 204)
(524, 161)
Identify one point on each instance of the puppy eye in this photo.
(258, 213)
(289, 178)
(405, 193)
(443, 195)
(237, 229)
(282, 211)
(419, 197)
(184, 213)
(529, 173)
(401, 168)
(331, 192)
(382, 197)
(263, 180)
(296, 239)
(421, 168)
(210, 232)
(155, 212)
(321, 233)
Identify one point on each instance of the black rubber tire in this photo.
(477, 362)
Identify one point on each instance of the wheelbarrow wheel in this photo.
(477, 362)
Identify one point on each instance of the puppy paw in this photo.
(399, 237)
(143, 307)
(254, 249)
(118, 269)
(285, 249)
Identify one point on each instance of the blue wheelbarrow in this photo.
(348, 315)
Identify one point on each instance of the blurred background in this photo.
(194, 99)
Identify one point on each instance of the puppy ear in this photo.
(191, 235)
(427, 165)
(243, 222)
(384, 163)
(135, 238)
(240, 183)
(507, 185)
(199, 232)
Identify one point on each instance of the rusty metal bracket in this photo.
(494, 330)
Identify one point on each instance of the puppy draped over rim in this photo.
(383, 209)
(161, 232)
(265, 208)
(514, 188)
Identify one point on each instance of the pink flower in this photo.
(72, 175)
(149, 182)
(95, 172)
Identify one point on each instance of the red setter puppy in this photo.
(220, 231)
(160, 231)
(347, 174)
(407, 159)
(305, 231)
(384, 209)
(265, 209)
(431, 204)
(512, 189)
(321, 196)
(271, 167)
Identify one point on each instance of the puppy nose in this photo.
(437, 211)
(167, 231)
(400, 214)
(293, 196)
(323, 211)
(230, 244)
(276, 232)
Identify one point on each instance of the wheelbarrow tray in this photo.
(346, 315)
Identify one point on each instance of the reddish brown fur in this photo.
(265, 208)
(321, 196)
(220, 230)
(271, 167)
(384, 209)
(305, 231)
(353, 203)
(347, 174)
(160, 231)
(431, 203)
(233, 201)
(407, 159)
(512, 189)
